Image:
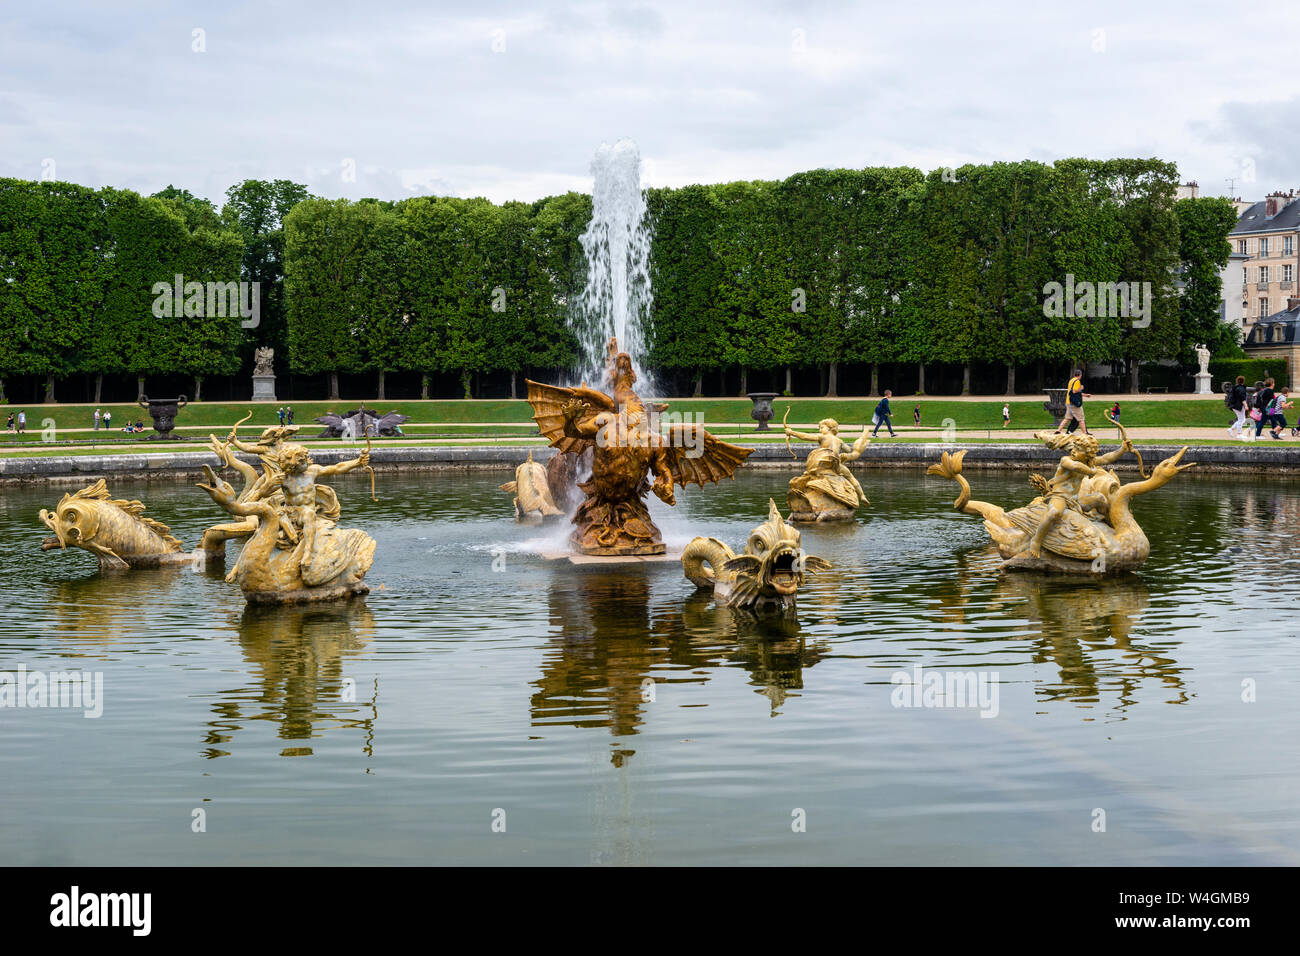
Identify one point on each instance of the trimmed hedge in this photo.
(1255, 370)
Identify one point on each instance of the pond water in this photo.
(485, 705)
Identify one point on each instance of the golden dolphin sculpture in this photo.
(768, 573)
(114, 530)
(1081, 523)
(533, 501)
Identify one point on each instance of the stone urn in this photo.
(163, 412)
(762, 410)
(1055, 404)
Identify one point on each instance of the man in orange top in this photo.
(1074, 396)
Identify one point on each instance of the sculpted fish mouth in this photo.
(60, 539)
(784, 574)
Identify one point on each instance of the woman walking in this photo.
(1260, 406)
(1275, 413)
(1236, 402)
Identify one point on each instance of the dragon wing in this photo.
(715, 460)
(548, 402)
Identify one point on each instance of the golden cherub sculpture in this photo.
(1081, 522)
(827, 490)
(295, 551)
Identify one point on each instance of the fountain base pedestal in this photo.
(619, 550)
(610, 561)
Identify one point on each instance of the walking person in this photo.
(280, 413)
(1281, 402)
(108, 419)
(97, 418)
(10, 426)
(881, 416)
(916, 415)
(1006, 414)
(1236, 402)
(1260, 405)
(289, 414)
(1114, 412)
(22, 422)
(1074, 396)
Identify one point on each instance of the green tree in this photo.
(257, 210)
(1139, 194)
(1203, 251)
(54, 260)
(328, 296)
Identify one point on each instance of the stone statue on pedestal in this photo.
(1203, 386)
(264, 375)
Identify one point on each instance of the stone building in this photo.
(1275, 335)
(1268, 236)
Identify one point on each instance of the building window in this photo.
(1286, 272)
(1263, 273)
(1263, 308)
(1241, 246)
(1245, 276)
(1278, 333)
(1263, 247)
(1288, 245)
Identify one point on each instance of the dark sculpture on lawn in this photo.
(362, 423)
(163, 411)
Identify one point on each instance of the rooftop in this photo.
(1253, 219)
(1277, 329)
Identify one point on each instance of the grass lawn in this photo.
(448, 418)
(529, 438)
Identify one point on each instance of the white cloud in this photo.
(508, 100)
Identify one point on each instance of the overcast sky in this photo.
(509, 100)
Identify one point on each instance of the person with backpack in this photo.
(1074, 396)
(1259, 407)
(1235, 399)
(881, 416)
(1276, 409)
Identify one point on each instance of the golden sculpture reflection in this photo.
(299, 656)
(614, 651)
(1086, 629)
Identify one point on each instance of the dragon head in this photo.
(773, 564)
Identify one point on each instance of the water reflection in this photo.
(1084, 627)
(106, 608)
(297, 656)
(611, 645)
(770, 647)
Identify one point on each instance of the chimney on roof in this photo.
(1292, 303)
(1274, 203)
